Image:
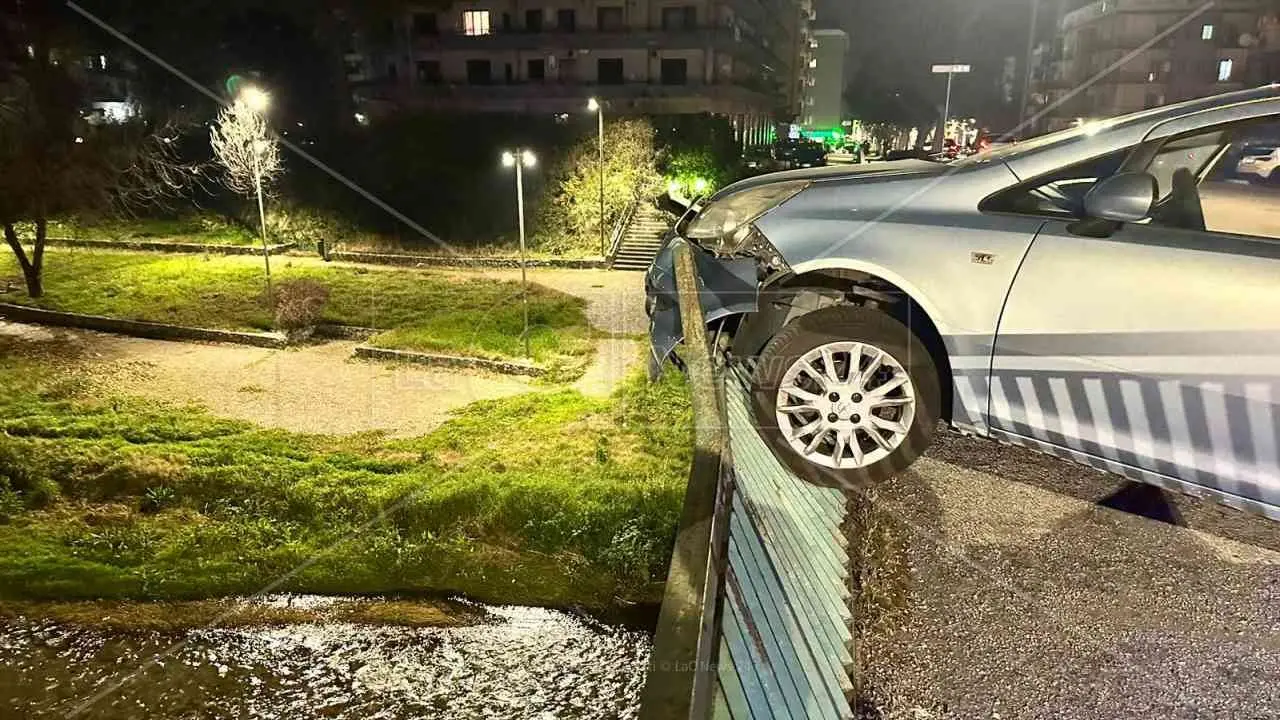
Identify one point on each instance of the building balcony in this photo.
(551, 98)
(720, 39)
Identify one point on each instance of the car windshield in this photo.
(1258, 150)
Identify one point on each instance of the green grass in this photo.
(420, 310)
(549, 498)
(200, 228)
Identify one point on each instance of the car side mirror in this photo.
(1126, 197)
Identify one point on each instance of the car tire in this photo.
(847, 409)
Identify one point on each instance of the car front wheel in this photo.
(846, 396)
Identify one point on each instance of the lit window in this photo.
(1224, 70)
(1206, 32)
(1151, 77)
(475, 22)
(813, 63)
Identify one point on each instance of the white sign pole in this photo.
(941, 138)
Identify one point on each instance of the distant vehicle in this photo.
(908, 154)
(811, 154)
(794, 154)
(759, 160)
(1258, 163)
(1102, 294)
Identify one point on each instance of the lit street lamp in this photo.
(521, 159)
(257, 100)
(597, 107)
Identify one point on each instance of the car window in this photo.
(1059, 194)
(1239, 193)
(1192, 153)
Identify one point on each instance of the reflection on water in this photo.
(526, 663)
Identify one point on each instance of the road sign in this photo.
(939, 69)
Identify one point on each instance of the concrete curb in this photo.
(500, 366)
(138, 328)
(329, 331)
(405, 260)
(170, 247)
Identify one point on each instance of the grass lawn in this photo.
(419, 310)
(201, 228)
(549, 498)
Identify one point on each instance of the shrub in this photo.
(569, 222)
(300, 306)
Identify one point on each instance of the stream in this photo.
(519, 663)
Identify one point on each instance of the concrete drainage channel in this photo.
(162, 331)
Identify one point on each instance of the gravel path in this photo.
(318, 389)
(1028, 599)
(315, 389)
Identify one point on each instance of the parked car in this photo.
(1088, 294)
(1258, 163)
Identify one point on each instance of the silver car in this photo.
(1109, 294)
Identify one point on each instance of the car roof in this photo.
(1092, 140)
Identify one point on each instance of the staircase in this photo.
(642, 239)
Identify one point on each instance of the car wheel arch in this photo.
(840, 284)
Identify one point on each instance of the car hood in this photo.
(839, 172)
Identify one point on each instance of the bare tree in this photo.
(52, 163)
(250, 158)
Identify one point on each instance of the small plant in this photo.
(157, 498)
(299, 308)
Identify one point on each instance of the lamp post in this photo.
(521, 159)
(257, 100)
(950, 71)
(597, 107)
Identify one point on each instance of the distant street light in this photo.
(595, 106)
(256, 98)
(526, 159)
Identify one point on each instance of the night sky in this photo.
(900, 39)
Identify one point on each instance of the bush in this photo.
(569, 221)
(300, 306)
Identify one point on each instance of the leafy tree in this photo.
(570, 220)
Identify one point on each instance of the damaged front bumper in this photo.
(726, 287)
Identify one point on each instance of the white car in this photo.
(1259, 163)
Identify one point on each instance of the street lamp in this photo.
(597, 107)
(521, 159)
(257, 100)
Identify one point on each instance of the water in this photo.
(523, 663)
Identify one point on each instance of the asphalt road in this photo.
(1021, 594)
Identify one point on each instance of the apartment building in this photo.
(823, 107)
(1118, 56)
(744, 59)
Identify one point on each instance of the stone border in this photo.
(331, 331)
(273, 341)
(368, 352)
(170, 247)
(406, 260)
(138, 328)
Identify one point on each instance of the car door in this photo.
(1155, 351)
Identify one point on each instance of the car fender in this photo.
(916, 295)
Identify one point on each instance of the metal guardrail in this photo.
(756, 620)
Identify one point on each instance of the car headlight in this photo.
(723, 219)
